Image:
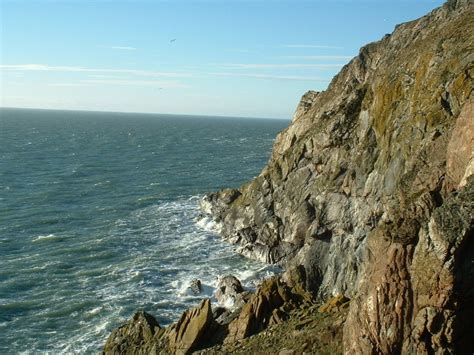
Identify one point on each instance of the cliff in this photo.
(368, 194)
(367, 191)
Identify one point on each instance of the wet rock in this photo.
(228, 288)
(195, 286)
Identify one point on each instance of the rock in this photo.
(228, 288)
(259, 311)
(460, 154)
(191, 329)
(333, 304)
(218, 311)
(368, 194)
(360, 189)
(195, 286)
(135, 337)
(227, 316)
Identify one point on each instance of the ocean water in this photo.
(99, 218)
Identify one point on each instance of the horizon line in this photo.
(144, 113)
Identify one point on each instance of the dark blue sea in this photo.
(99, 218)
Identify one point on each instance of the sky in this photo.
(221, 58)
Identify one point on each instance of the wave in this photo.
(49, 237)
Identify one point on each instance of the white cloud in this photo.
(78, 69)
(274, 77)
(66, 84)
(279, 66)
(319, 46)
(150, 83)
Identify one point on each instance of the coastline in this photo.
(367, 202)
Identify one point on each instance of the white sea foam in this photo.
(45, 237)
(209, 225)
(94, 311)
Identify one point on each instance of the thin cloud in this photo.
(78, 69)
(279, 66)
(319, 57)
(66, 84)
(122, 48)
(319, 46)
(272, 77)
(157, 84)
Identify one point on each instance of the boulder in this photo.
(195, 286)
(135, 337)
(228, 288)
(258, 311)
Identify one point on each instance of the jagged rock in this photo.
(191, 329)
(360, 183)
(228, 289)
(419, 298)
(368, 193)
(257, 313)
(143, 335)
(135, 337)
(228, 316)
(195, 286)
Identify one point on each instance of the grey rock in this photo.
(352, 187)
(195, 286)
(228, 288)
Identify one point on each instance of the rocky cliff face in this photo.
(368, 191)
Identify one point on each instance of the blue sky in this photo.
(231, 58)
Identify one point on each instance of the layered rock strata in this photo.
(368, 194)
(369, 190)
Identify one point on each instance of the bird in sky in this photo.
(174, 39)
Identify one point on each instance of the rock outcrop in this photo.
(200, 327)
(369, 197)
(369, 190)
(135, 337)
(143, 335)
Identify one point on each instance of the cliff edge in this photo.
(367, 192)
(367, 201)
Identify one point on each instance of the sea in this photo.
(99, 218)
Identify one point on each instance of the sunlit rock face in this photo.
(369, 189)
